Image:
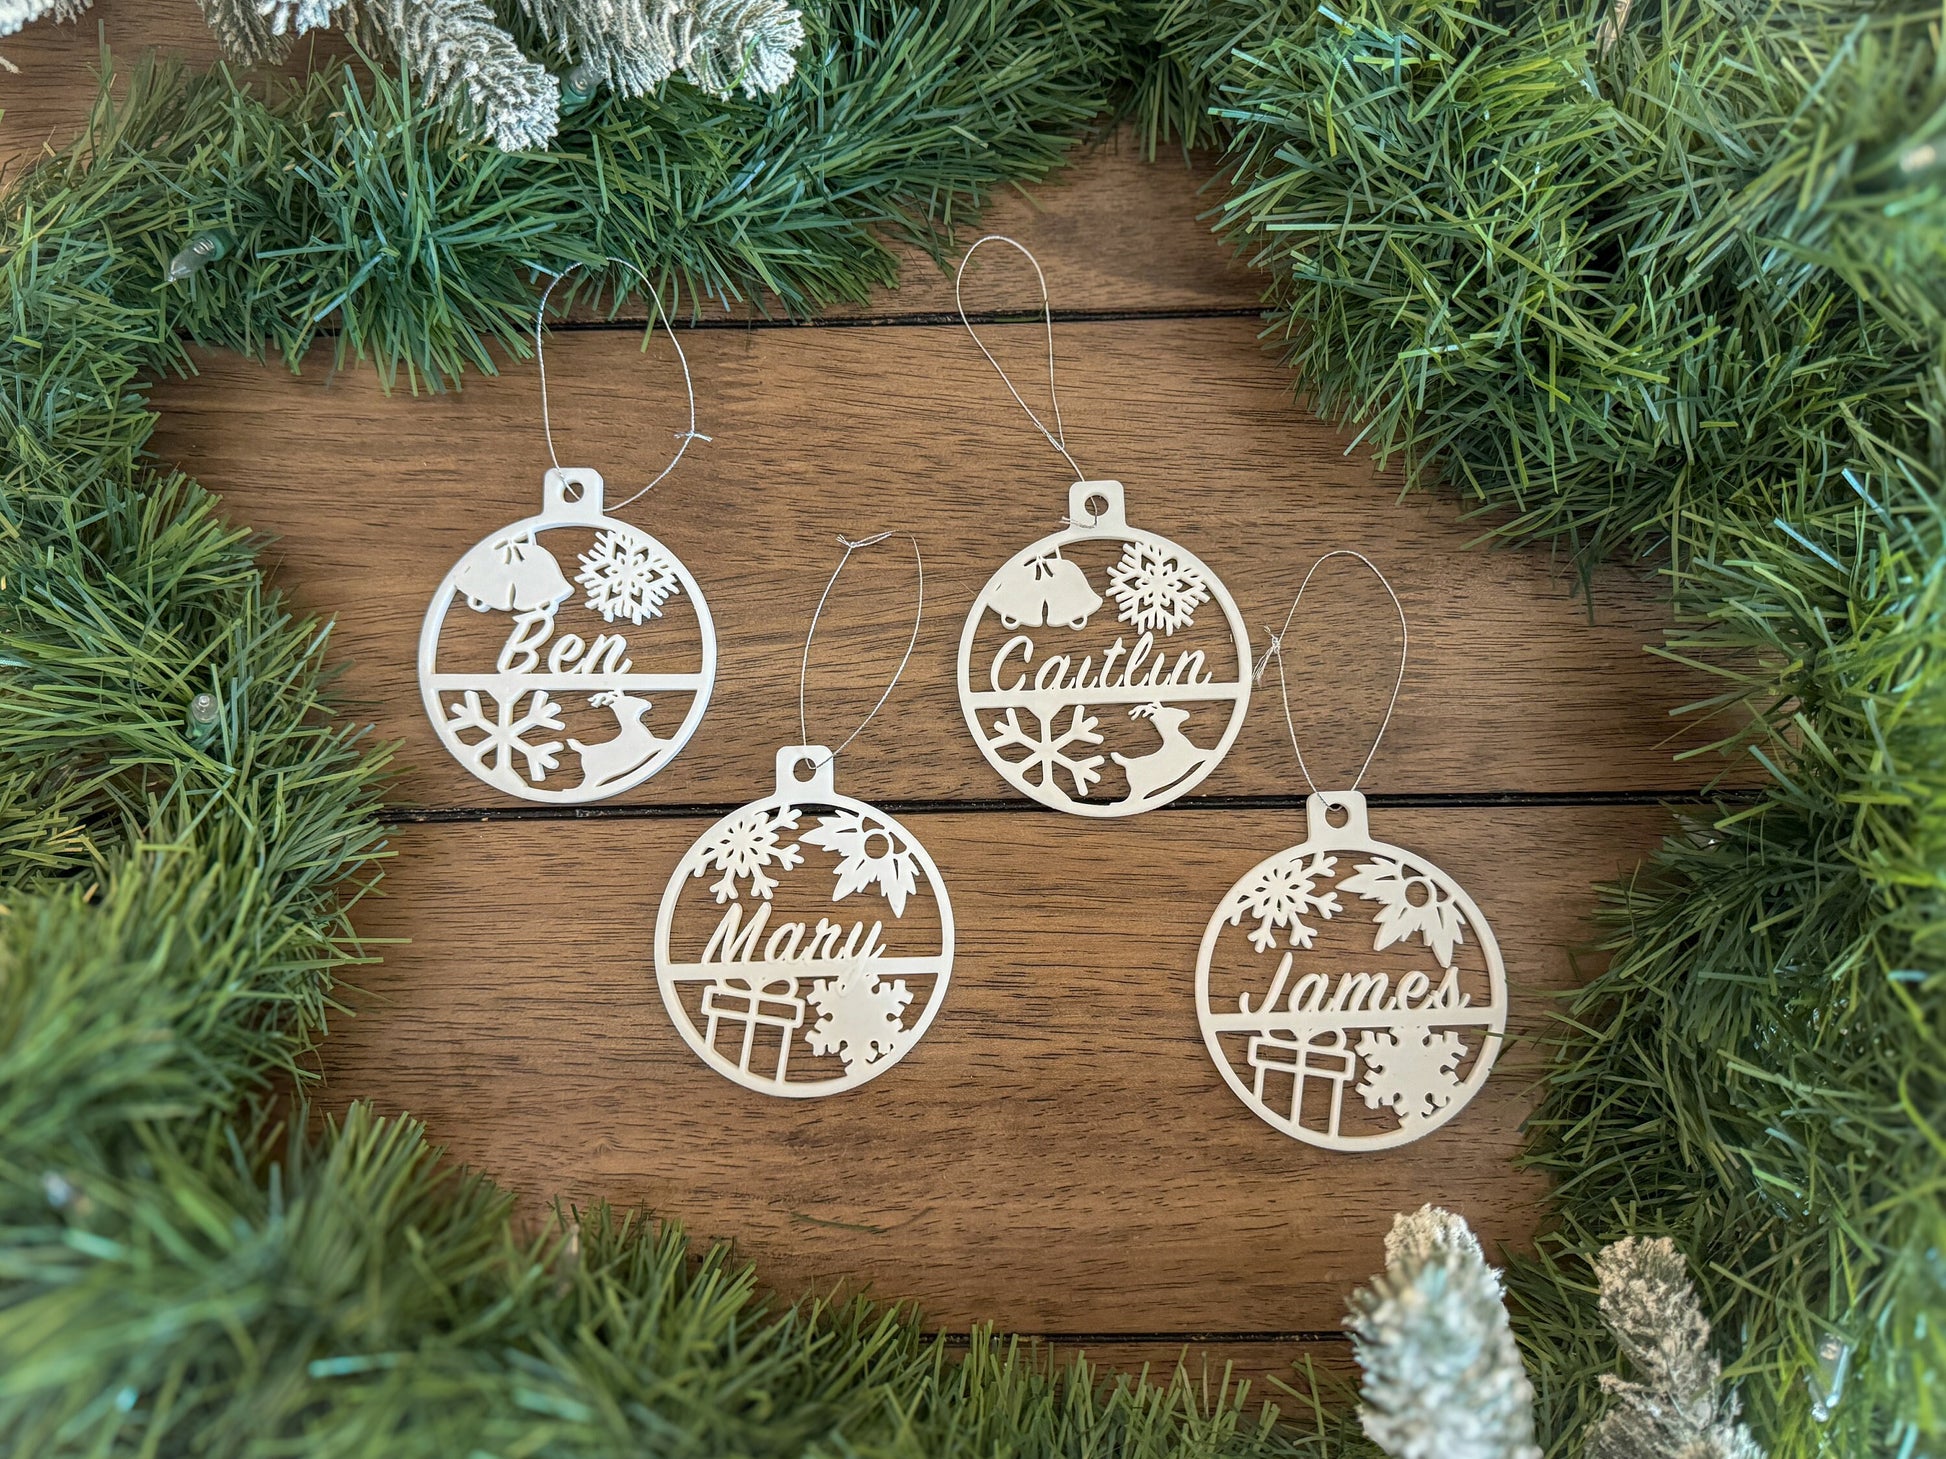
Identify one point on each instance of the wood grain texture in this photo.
(817, 432)
(1056, 1155)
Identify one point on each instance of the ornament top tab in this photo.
(586, 661)
(1104, 670)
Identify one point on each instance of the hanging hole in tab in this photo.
(1095, 504)
(805, 771)
(1337, 815)
(574, 491)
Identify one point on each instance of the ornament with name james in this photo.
(1350, 992)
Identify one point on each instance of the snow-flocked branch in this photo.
(472, 69)
(1676, 1411)
(1443, 1377)
(16, 14)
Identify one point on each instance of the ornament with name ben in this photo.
(591, 659)
(568, 657)
(1350, 991)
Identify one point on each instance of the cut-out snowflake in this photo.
(870, 856)
(1153, 590)
(1048, 751)
(1279, 896)
(1410, 904)
(860, 1017)
(744, 845)
(626, 578)
(504, 734)
(1411, 1071)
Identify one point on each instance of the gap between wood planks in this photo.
(1480, 800)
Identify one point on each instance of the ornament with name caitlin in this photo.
(1103, 670)
(804, 943)
(1401, 1033)
(586, 660)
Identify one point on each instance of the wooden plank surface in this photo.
(1056, 1155)
(817, 432)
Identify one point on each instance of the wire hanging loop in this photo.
(804, 668)
(1058, 437)
(688, 384)
(1276, 651)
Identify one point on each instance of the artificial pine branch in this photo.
(1443, 1379)
(1675, 290)
(1676, 1411)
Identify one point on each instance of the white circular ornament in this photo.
(1411, 1036)
(1049, 701)
(767, 990)
(562, 716)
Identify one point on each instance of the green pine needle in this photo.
(1681, 300)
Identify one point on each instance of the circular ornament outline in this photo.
(560, 510)
(1106, 525)
(1355, 837)
(792, 791)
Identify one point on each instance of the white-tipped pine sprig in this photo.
(470, 66)
(250, 34)
(15, 14)
(739, 44)
(462, 60)
(1443, 1378)
(1677, 1410)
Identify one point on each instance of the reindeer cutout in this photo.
(1150, 775)
(610, 759)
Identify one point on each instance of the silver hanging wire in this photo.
(1058, 437)
(689, 385)
(804, 668)
(1276, 650)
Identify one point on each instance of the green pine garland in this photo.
(180, 1276)
(1681, 299)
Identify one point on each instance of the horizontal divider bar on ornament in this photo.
(569, 680)
(1330, 1021)
(781, 968)
(1039, 699)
